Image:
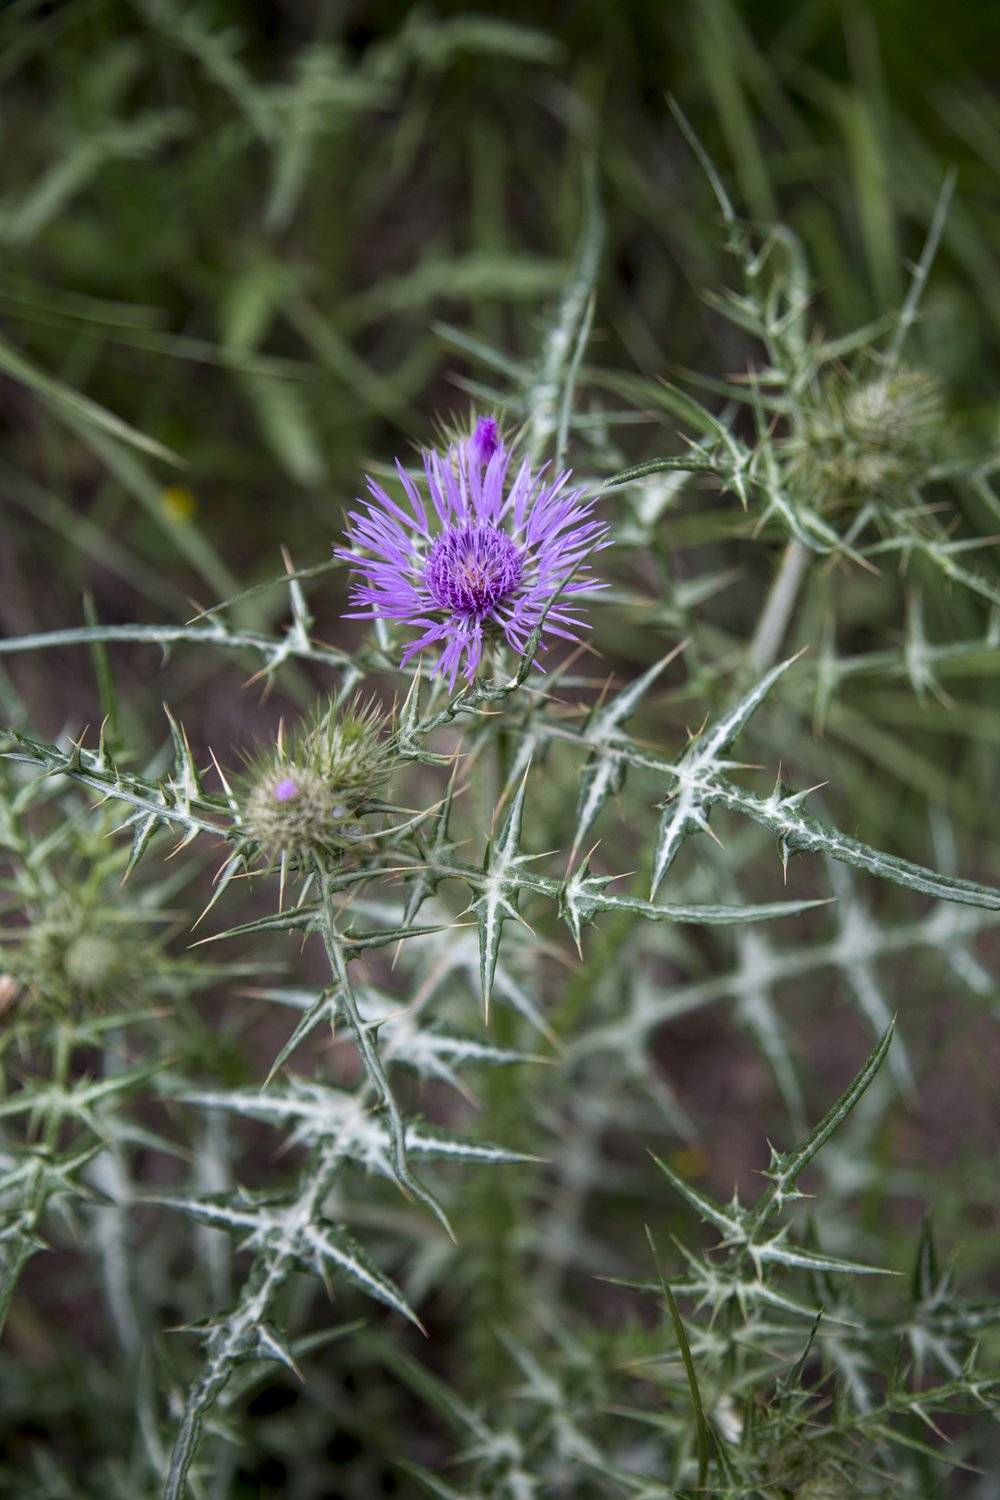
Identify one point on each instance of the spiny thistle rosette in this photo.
(484, 564)
(303, 798)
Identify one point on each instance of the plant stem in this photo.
(777, 611)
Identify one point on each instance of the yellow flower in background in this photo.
(178, 502)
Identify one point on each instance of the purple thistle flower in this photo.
(484, 563)
(485, 441)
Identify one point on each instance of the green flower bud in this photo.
(305, 797)
(871, 438)
(84, 955)
(92, 959)
(292, 809)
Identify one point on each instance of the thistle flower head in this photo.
(873, 436)
(85, 953)
(483, 562)
(304, 796)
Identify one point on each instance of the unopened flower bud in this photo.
(872, 437)
(304, 797)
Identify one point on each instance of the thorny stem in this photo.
(777, 611)
(366, 1042)
(59, 1079)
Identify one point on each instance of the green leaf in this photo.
(314, 1112)
(338, 955)
(582, 897)
(435, 849)
(701, 1423)
(785, 1168)
(797, 834)
(603, 775)
(316, 1245)
(731, 1223)
(499, 887)
(213, 633)
(323, 1010)
(698, 774)
(778, 1252)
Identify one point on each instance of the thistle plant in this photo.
(535, 1051)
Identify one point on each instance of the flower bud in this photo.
(871, 438)
(304, 798)
(84, 954)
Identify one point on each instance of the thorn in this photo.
(200, 610)
(222, 777)
(214, 938)
(603, 692)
